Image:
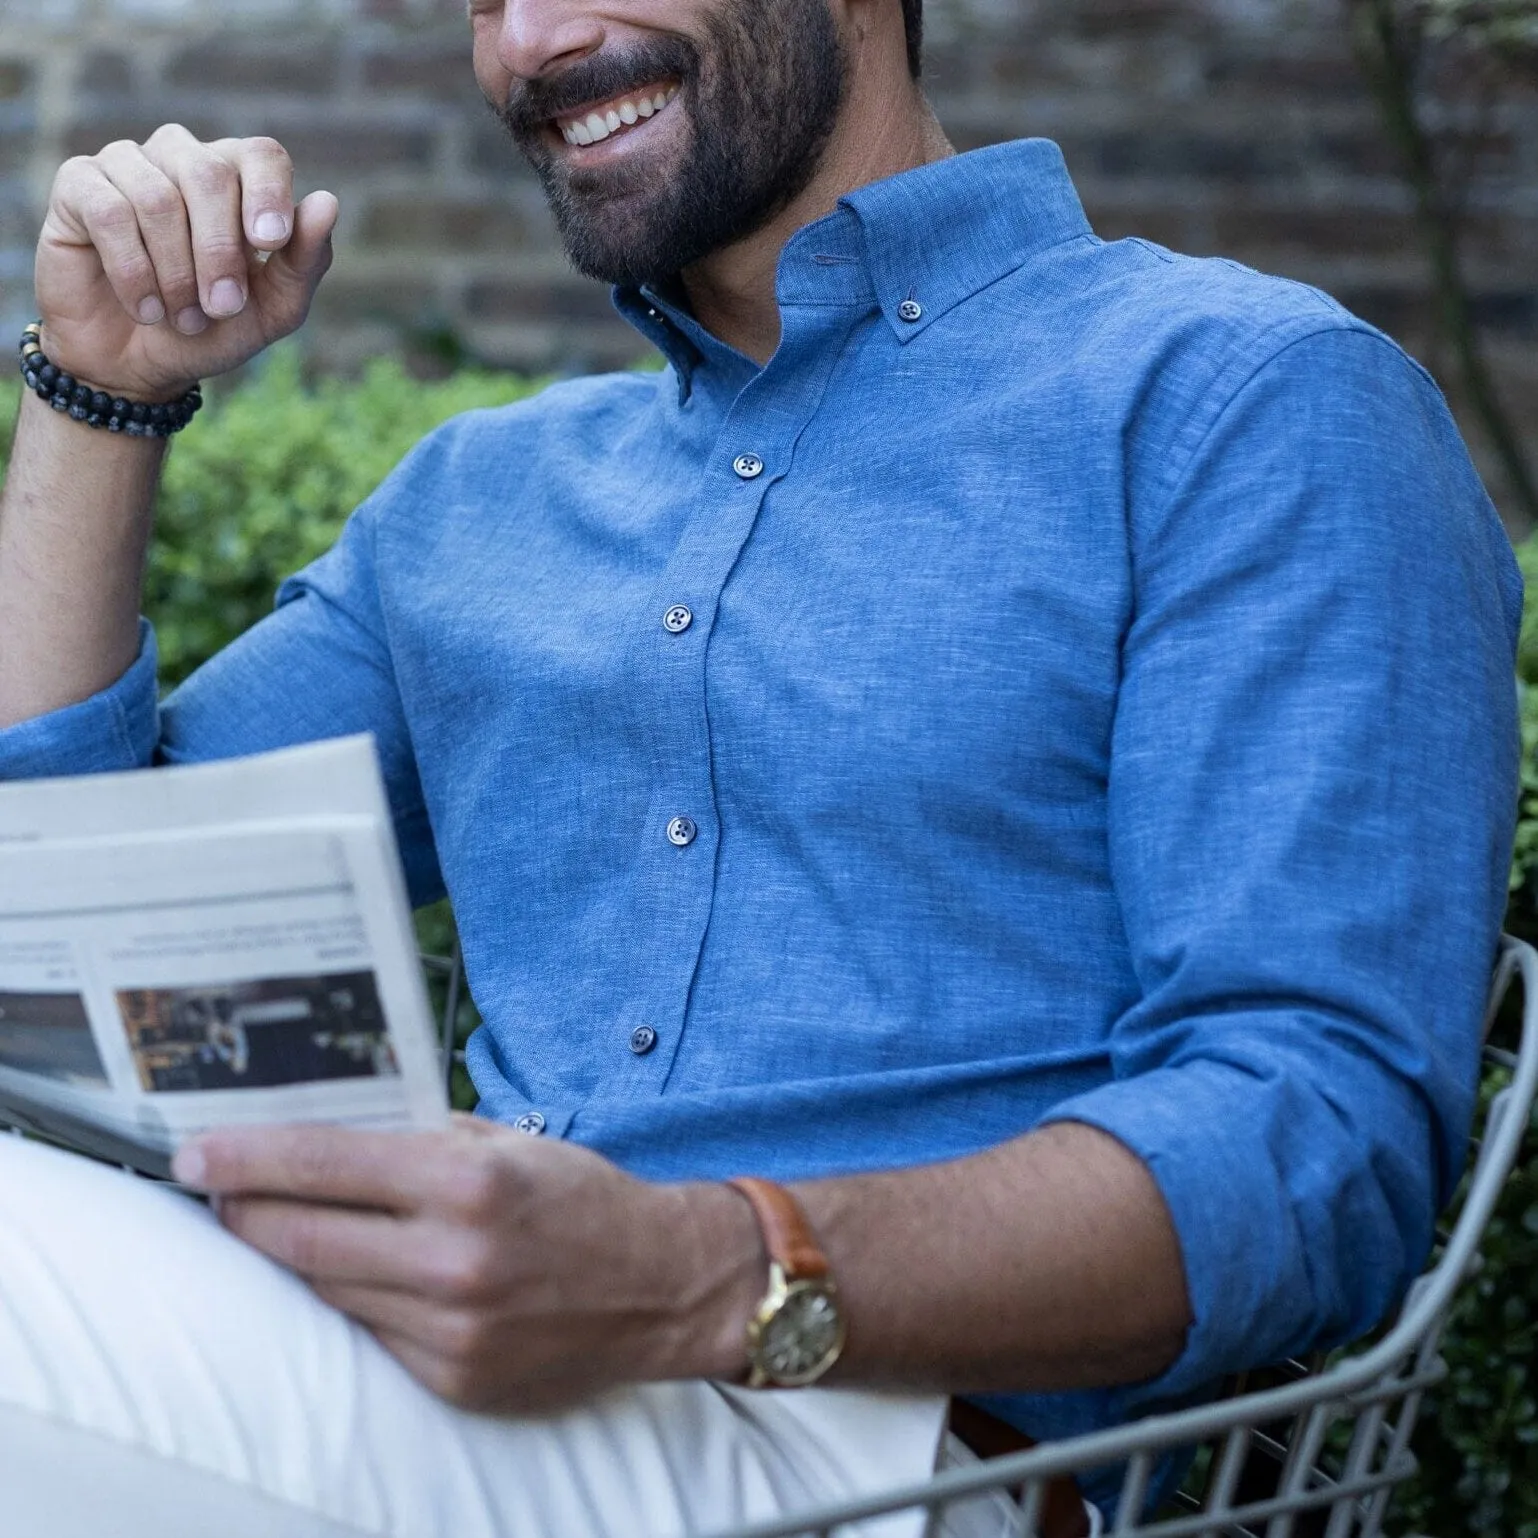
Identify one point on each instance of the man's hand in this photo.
(172, 261)
(505, 1272)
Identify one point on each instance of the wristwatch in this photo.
(797, 1333)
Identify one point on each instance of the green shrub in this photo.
(264, 481)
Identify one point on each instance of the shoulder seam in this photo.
(1236, 376)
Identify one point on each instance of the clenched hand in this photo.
(172, 261)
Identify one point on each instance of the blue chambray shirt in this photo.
(1098, 706)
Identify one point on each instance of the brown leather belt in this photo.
(1062, 1507)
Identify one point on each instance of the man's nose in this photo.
(538, 36)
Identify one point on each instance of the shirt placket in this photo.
(676, 866)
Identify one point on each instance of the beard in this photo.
(760, 95)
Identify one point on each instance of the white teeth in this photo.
(596, 127)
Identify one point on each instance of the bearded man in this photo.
(1010, 736)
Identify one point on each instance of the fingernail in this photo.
(191, 321)
(189, 1167)
(226, 297)
(270, 226)
(151, 311)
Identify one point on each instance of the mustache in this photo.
(532, 104)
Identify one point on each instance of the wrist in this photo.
(106, 377)
(722, 1270)
(56, 433)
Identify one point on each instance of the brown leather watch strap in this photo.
(787, 1234)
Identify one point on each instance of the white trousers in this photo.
(159, 1379)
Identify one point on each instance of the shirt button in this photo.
(642, 1039)
(682, 831)
(910, 310)
(678, 618)
(531, 1122)
(748, 466)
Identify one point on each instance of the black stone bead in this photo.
(114, 424)
(95, 419)
(64, 384)
(121, 408)
(49, 374)
(157, 416)
(32, 379)
(101, 403)
(134, 429)
(141, 413)
(78, 413)
(81, 395)
(58, 402)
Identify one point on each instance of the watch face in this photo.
(803, 1338)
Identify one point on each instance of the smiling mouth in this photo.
(594, 124)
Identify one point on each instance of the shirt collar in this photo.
(937, 235)
(916, 245)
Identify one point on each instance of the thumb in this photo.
(286, 282)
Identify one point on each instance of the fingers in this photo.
(88, 209)
(161, 217)
(285, 285)
(340, 1246)
(389, 1171)
(266, 190)
(210, 187)
(175, 223)
(451, 1353)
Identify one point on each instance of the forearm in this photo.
(75, 515)
(1048, 1263)
(147, 280)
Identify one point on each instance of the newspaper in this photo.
(191, 947)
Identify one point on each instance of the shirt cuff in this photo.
(1231, 1212)
(116, 729)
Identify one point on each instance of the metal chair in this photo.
(1316, 1454)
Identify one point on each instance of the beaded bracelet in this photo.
(95, 408)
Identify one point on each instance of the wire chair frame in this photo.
(1317, 1455)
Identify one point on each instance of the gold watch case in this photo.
(797, 1333)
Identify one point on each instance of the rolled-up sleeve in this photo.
(1312, 798)
(113, 730)
(319, 666)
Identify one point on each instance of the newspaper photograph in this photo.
(258, 1034)
(190, 947)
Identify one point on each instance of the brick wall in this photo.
(1234, 126)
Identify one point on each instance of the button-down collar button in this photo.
(748, 466)
(531, 1122)
(678, 618)
(642, 1039)
(910, 310)
(682, 831)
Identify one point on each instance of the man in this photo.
(1010, 735)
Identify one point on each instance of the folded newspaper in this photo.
(192, 947)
